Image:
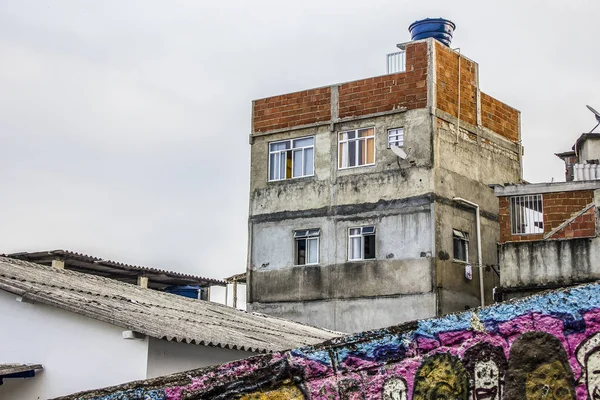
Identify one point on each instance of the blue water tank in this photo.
(186, 291)
(438, 28)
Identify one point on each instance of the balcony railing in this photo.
(396, 62)
(586, 172)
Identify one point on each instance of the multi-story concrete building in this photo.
(355, 218)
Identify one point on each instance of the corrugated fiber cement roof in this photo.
(153, 313)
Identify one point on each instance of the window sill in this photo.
(460, 262)
(286, 181)
(356, 166)
(362, 260)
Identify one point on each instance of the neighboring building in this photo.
(548, 231)
(583, 161)
(75, 326)
(153, 278)
(353, 219)
(237, 282)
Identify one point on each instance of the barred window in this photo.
(396, 137)
(526, 214)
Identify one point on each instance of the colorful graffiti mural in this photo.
(540, 348)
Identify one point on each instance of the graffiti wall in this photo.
(543, 347)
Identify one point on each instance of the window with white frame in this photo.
(361, 243)
(292, 158)
(356, 148)
(526, 214)
(306, 246)
(396, 137)
(460, 242)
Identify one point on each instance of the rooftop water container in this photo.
(186, 291)
(437, 28)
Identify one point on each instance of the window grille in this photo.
(396, 137)
(526, 214)
(396, 62)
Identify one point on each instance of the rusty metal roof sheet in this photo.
(154, 313)
(124, 272)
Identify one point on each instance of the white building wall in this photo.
(166, 358)
(78, 353)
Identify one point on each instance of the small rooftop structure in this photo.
(239, 278)
(153, 313)
(158, 279)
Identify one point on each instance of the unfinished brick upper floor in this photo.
(431, 78)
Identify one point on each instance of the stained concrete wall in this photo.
(590, 149)
(402, 266)
(465, 164)
(542, 347)
(392, 195)
(330, 186)
(547, 262)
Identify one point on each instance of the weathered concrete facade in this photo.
(541, 347)
(451, 152)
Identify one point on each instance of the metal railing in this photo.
(396, 62)
(526, 214)
(586, 172)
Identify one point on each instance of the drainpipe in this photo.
(478, 227)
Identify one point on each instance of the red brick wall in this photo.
(384, 93)
(292, 109)
(557, 208)
(582, 226)
(447, 84)
(366, 96)
(499, 117)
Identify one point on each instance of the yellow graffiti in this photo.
(548, 381)
(288, 392)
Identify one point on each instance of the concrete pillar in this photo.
(142, 281)
(60, 264)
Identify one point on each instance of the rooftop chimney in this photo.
(437, 28)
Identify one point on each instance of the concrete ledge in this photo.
(539, 188)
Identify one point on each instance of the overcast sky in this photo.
(124, 124)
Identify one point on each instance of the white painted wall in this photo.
(166, 357)
(78, 353)
(217, 295)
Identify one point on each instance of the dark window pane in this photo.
(301, 252)
(368, 229)
(459, 249)
(352, 154)
(369, 247)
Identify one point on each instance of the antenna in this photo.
(399, 152)
(597, 114)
